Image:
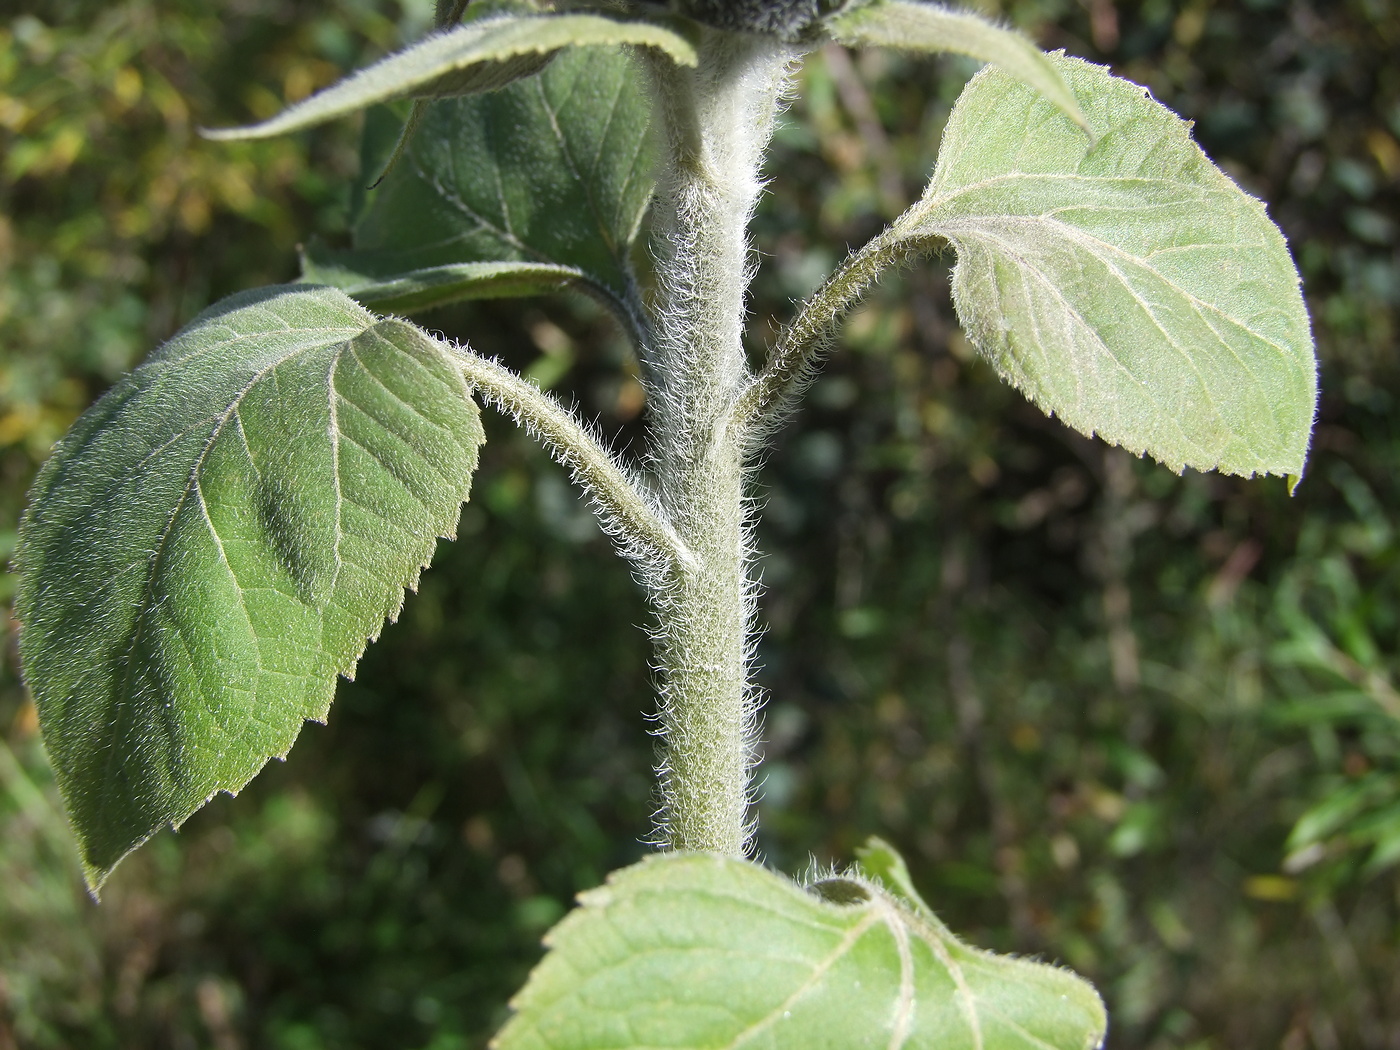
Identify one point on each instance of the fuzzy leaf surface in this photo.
(909, 25)
(412, 290)
(481, 55)
(216, 540)
(546, 180)
(1128, 286)
(700, 951)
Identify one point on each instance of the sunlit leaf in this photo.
(693, 950)
(1128, 286)
(479, 56)
(912, 26)
(877, 859)
(431, 286)
(217, 538)
(546, 180)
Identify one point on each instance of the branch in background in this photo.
(855, 97)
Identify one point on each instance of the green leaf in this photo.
(877, 859)
(912, 26)
(700, 951)
(1340, 808)
(547, 180)
(482, 55)
(1129, 286)
(413, 290)
(215, 540)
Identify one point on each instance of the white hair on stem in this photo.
(716, 120)
(627, 511)
(691, 540)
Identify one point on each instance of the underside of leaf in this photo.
(215, 541)
(481, 55)
(1128, 286)
(702, 951)
(414, 290)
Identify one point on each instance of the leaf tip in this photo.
(1082, 122)
(93, 878)
(97, 872)
(1069, 103)
(238, 134)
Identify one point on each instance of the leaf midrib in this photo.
(567, 153)
(842, 947)
(929, 216)
(1105, 351)
(986, 227)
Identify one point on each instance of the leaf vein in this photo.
(847, 942)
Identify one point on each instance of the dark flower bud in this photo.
(789, 19)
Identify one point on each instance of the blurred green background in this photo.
(1145, 725)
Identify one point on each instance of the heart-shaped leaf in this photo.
(1128, 285)
(481, 55)
(217, 538)
(512, 193)
(698, 951)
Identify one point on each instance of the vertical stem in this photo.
(716, 119)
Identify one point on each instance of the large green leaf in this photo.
(479, 56)
(215, 540)
(911, 25)
(547, 180)
(1127, 286)
(697, 951)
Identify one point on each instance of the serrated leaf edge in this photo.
(94, 875)
(884, 909)
(921, 222)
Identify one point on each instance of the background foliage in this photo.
(1143, 724)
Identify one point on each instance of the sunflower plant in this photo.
(216, 540)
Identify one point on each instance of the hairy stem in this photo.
(717, 120)
(794, 358)
(639, 527)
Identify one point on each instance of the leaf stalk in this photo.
(628, 512)
(793, 360)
